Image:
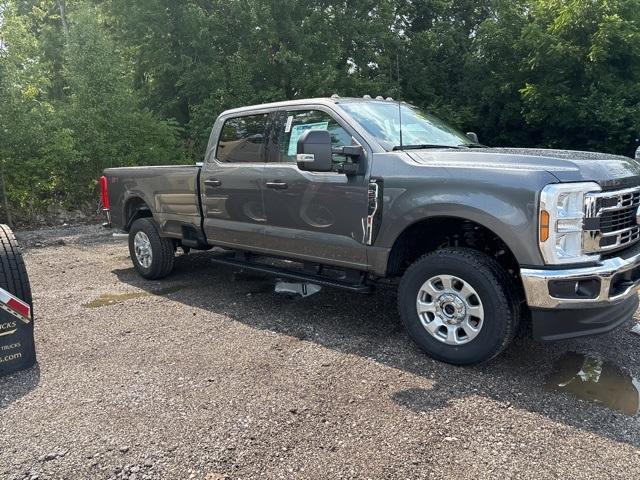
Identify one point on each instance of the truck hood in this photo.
(610, 171)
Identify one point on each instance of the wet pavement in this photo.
(593, 379)
(107, 299)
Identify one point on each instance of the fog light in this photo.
(572, 289)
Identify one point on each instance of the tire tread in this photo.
(13, 272)
(506, 291)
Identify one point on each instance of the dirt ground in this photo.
(210, 375)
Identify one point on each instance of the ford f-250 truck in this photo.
(356, 193)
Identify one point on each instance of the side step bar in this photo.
(299, 276)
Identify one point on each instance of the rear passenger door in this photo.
(230, 182)
(311, 215)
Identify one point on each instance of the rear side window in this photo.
(242, 139)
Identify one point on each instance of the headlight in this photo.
(561, 222)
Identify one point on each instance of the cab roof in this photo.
(327, 101)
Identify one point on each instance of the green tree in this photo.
(26, 119)
(87, 84)
(582, 63)
(108, 126)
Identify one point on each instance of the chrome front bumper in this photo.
(612, 289)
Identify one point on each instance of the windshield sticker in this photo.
(287, 129)
(298, 130)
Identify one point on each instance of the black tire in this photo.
(495, 288)
(14, 279)
(163, 251)
(13, 273)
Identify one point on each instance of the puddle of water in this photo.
(592, 379)
(113, 298)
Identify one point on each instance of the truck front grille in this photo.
(610, 220)
(614, 221)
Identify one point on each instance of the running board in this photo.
(299, 276)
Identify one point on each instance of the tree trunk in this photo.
(5, 199)
(63, 16)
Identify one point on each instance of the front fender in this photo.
(507, 205)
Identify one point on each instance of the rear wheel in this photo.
(459, 305)
(153, 256)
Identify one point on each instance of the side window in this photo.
(296, 122)
(242, 139)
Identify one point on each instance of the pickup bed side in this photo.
(169, 194)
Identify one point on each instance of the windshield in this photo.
(382, 120)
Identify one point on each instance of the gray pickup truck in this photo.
(359, 193)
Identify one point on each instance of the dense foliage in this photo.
(86, 84)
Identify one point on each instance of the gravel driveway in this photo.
(210, 375)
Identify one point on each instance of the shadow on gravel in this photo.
(368, 326)
(17, 385)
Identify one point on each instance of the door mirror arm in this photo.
(352, 151)
(348, 168)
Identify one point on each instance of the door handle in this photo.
(212, 183)
(276, 185)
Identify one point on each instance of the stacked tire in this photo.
(17, 349)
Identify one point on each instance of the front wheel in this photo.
(459, 305)
(153, 256)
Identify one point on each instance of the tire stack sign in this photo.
(15, 306)
(17, 350)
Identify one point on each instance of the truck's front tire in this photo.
(459, 305)
(153, 256)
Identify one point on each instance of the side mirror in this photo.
(638, 154)
(314, 151)
(473, 137)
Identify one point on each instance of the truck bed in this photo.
(169, 192)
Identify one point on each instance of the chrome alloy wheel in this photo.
(450, 309)
(142, 246)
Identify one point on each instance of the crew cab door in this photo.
(230, 182)
(313, 216)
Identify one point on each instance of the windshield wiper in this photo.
(473, 145)
(424, 146)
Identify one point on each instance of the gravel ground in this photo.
(210, 375)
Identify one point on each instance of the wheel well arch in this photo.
(135, 208)
(433, 233)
